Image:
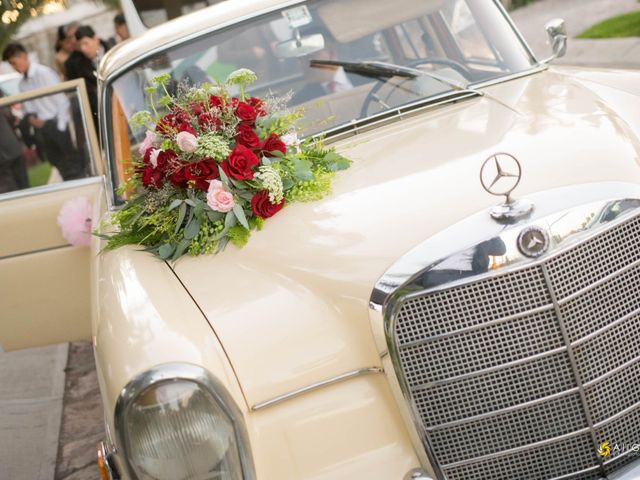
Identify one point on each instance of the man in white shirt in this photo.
(49, 114)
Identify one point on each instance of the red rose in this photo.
(196, 107)
(246, 113)
(240, 163)
(258, 105)
(186, 127)
(215, 101)
(209, 120)
(166, 124)
(200, 172)
(178, 177)
(247, 136)
(271, 144)
(165, 157)
(151, 177)
(262, 207)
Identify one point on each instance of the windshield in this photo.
(337, 59)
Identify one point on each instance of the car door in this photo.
(44, 280)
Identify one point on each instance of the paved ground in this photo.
(35, 429)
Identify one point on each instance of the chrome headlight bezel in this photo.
(182, 372)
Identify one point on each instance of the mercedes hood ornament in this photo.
(499, 175)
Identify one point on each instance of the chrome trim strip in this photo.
(607, 327)
(50, 188)
(182, 371)
(573, 475)
(33, 252)
(479, 326)
(524, 448)
(315, 386)
(477, 373)
(572, 361)
(612, 372)
(515, 29)
(621, 413)
(520, 406)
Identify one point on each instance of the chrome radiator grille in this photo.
(522, 375)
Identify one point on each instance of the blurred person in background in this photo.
(13, 172)
(121, 29)
(65, 45)
(91, 49)
(49, 115)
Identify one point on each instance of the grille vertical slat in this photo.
(474, 359)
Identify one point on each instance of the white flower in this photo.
(187, 142)
(272, 182)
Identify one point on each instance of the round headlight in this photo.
(176, 430)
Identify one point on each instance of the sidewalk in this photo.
(579, 15)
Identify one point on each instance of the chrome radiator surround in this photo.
(517, 367)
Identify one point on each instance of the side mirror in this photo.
(300, 46)
(557, 32)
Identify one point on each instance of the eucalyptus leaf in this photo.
(181, 214)
(237, 209)
(238, 183)
(165, 251)
(302, 169)
(199, 210)
(223, 176)
(287, 183)
(266, 161)
(230, 220)
(222, 244)
(335, 162)
(190, 202)
(277, 154)
(175, 204)
(192, 229)
(181, 248)
(214, 216)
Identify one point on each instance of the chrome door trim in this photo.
(51, 188)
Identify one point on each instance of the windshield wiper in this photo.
(377, 69)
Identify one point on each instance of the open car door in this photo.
(45, 281)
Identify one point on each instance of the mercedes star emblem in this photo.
(533, 241)
(499, 175)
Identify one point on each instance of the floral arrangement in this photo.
(213, 167)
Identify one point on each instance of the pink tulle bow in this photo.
(75, 221)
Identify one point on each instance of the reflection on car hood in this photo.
(291, 308)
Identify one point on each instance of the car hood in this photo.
(291, 308)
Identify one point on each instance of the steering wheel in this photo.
(457, 66)
(372, 94)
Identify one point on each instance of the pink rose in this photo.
(219, 199)
(187, 142)
(149, 141)
(153, 158)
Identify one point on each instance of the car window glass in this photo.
(44, 141)
(468, 41)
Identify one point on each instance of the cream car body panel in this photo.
(307, 278)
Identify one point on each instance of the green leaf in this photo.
(214, 216)
(335, 162)
(176, 203)
(230, 220)
(199, 210)
(181, 214)
(302, 169)
(192, 229)
(190, 202)
(223, 176)
(287, 183)
(277, 153)
(237, 209)
(165, 251)
(238, 183)
(181, 248)
(222, 243)
(165, 101)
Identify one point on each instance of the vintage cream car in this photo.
(408, 326)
